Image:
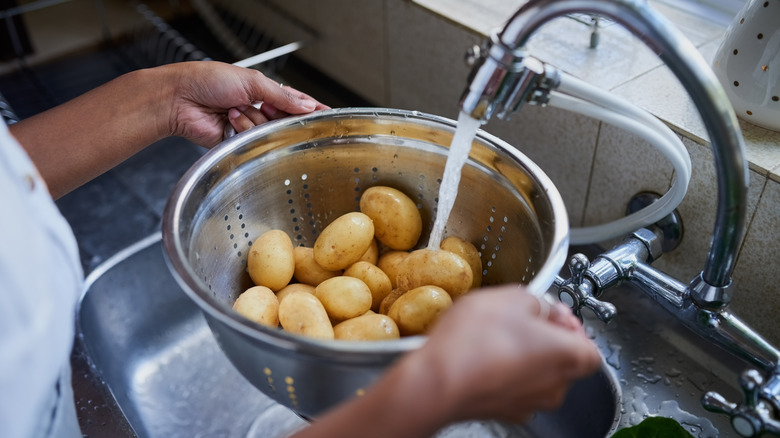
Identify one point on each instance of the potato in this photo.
(368, 327)
(418, 309)
(258, 304)
(294, 287)
(470, 254)
(377, 281)
(344, 297)
(397, 220)
(388, 301)
(372, 253)
(344, 241)
(389, 262)
(309, 271)
(444, 269)
(271, 262)
(303, 314)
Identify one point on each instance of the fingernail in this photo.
(233, 113)
(309, 105)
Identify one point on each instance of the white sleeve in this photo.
(40, 282)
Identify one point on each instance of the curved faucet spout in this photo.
(498, 73)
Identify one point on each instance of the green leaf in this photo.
(654, 427)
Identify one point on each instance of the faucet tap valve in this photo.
(578, 291)
(753, 417)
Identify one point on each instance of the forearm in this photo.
(403, 403)
(79, 140)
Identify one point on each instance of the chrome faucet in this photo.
(504, 77)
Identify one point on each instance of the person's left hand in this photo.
(208, 94)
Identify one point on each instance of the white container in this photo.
(747, 63)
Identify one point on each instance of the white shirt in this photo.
(40, 281)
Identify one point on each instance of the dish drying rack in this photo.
(239, 35)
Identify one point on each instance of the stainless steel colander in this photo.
(300, 173)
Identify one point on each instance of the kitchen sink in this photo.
(151, 348)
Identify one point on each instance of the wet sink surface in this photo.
(156, 355)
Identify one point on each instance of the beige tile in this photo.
(619, 56)
(425, 73)
(670, 102)
(625, 165)
(762, 148)
(481, 17)
(561, 143)
(756, 277)
(698, 215)
(284, 21)
(350, 43)
(697, 29)
(660, 93)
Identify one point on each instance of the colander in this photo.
(300, 173)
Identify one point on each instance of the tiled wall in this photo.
(597, 168)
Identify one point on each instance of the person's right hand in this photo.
(501, 353)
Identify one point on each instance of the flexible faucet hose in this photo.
(580, 97)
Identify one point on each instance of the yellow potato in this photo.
(372, 253)
(388, 301)
(258, 304)
(309, 271)
(368, 327)
(344, 297)
(470, 254)
(303, 314)
(444, 269)
(376, 280)
(418, 309)
(389, 262)
(397, 220)
(344, 241)
(271, 262)
(294, 287)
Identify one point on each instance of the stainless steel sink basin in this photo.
(154, 351)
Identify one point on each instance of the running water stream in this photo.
(448, 190)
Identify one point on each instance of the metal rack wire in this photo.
(230, 38)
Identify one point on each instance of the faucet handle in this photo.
(752, 418)
(578, 291)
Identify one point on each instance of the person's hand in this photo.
(498, 353)
(207, 95)
(501, 353)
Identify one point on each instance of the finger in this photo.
(239, 120)
(544, 306)
(255, 115)
(271, 112)
(562, 315)
(283, 98)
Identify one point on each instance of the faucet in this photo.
(504, 77)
